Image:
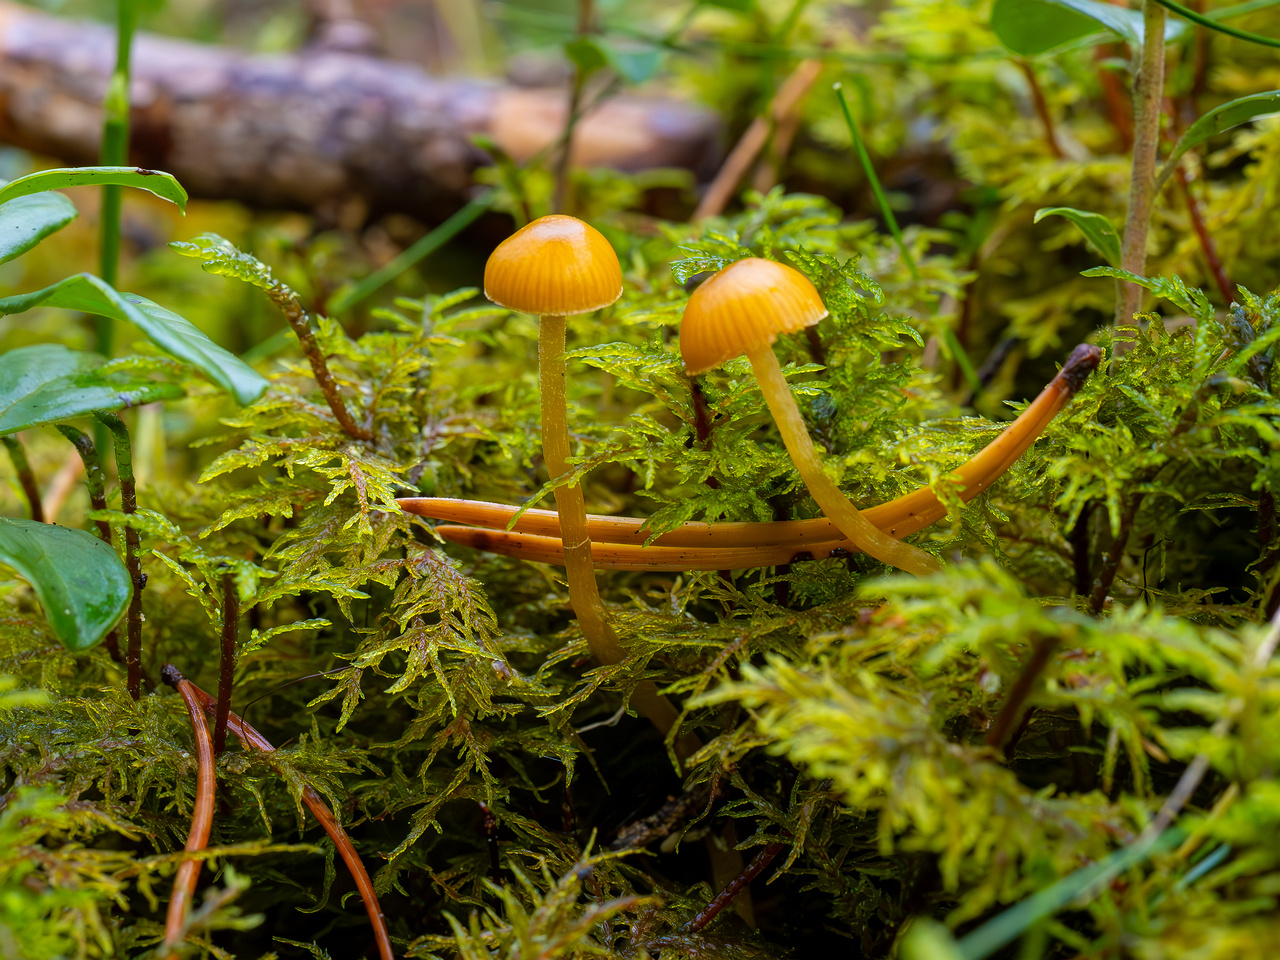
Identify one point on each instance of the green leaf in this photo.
(1097, 229)
(741, 6)
(79, 580)
(174, 334)
(25, 221)
(1212, 23)
(48, 383)
(163, 185)
(586, 54)
(1225, 117)
(1029, 27)
(633, 62)
(219, 256)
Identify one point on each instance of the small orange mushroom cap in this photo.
(746, 304)
(554, 266)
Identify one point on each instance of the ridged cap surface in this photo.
(555, 266)
(747, 303)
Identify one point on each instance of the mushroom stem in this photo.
(584, 594)
(795, 434)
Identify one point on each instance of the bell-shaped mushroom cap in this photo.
(555, 266)
(748, 303)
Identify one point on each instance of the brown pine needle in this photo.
(324, 816)
(184, 883)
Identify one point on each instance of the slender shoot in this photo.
(226, 673)
(132, 542)
(26, 477)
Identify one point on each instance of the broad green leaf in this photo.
(25, 221)
(219, 256)
(633, 62)
(79, 580)
(1029, 27)
(1097, 229)
(48, 383)
(586, 54)
(163, 185)
(1225, 117)
(175, 335)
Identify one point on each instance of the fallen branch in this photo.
(307, 129)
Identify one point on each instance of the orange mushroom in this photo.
(554, 267)
(741, 310)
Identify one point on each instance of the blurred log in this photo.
(307, 129)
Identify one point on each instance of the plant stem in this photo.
(865, 535)
(301, 324)
(418, 251)
(324, 816)
(1147, 98)
(736, 886)
(129, 505)
(96, 485)
(226, 673)
(584, 594)
(184, 884)
(93, 479)
(561, 201)
(1207, 246)
(1041, 105)
(114, 152)
(1041, 650)
(25, 477)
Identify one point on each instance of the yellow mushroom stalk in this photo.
(741, 310)
(618, 543)
(554, 267)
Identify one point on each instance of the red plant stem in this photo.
(226, 673)
(736, 885)
(132, 542)
(184, 884)
(1041, 105)
(320, 810)
(1041, 651)
(25, 476)
(1207, 245)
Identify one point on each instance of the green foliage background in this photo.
(843, 711)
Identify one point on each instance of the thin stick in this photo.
(736, 886)
(1041, 650)
(1207, 246)
(297, 318)
(324, 816)
(93, 479)
(114, 152)
(747, 149)
(61, 487)
(25, 476)
(564, 162)
(1041, 105)
(1148, 96)
(184, 884)
(227, 666)
(129, 505)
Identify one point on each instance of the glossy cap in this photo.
(555, 266)
(748, 303)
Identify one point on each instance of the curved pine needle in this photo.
(617, 543)
(324, 816)
(184, 883)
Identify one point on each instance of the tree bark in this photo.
(307, 129)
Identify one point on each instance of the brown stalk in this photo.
(1207, 246)
(132, 542)
(227, 665)
(301, 324)
(1010, 713)
(184, 884)
(564, 162)
(1041, 105)
(25, 476)
(1148, 95)
(744, 153)
(324, 816)
(735, 886)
